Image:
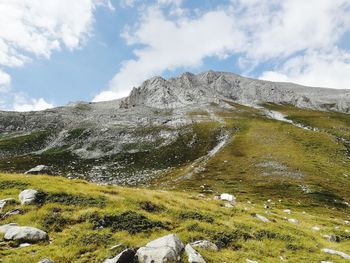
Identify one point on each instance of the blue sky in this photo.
(54, 52)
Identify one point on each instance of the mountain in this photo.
(282, 149)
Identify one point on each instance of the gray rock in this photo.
(261, 218)
(126, 256)
(193, 255)
(46, 260)
(25, 234)
(5, 228)
(11, 213)
(28, 196)
(164, 249)
(335, 252)
(39, 169)
(5, 202)
(205, 244)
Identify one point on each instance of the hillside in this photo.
(182, 142)
(72, 210)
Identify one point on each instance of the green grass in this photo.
(81, 232)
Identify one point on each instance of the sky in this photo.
(53, 52)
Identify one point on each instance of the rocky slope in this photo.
(161, 126)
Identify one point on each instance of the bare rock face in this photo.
(164, 249)
(213, 86)
(39, 169)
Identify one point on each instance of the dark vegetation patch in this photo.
(54, 221)
(266, 234)
(150, 207)
(70, 199)
(129, 221)
(328, 198)
(25, 143)
(88, 242)
(224, 239)
(193, 215)
(8, 184)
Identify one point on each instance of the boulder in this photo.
(27, 196)
(205, 244)
(5, 202)
(126, 256)
(335, 252)
(287, 211)
(164, 249)
(228, 197)
(25, 234)
(39, 169)
(193, 255)
(4, 228)
(261, 218)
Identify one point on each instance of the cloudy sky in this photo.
(56, 51)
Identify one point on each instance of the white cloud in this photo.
(278, 29)
(170, 44)
(22, 103)
(5, 81)
(297, 38)
(316, 68)
(32, 29)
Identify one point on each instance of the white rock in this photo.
(323, 261)
(4, 228)
(288, 211)
(228, 205)
(193, 255)
(5, 202)
(315, 228)
(164, 249)
(27, 196)
(335, 252)
(250, 261)
(205, 244)
(293, 220)
(228, 197)
(39, 169)
(261, 218)
(46, 260)
(347, 222)
(24, 245)
(25, 234)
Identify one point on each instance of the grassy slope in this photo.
(240, 235)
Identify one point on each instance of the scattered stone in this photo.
(347, 222)
(164, 249)
(11, 213)
(335, 252)
(125, 256)
(46, 260)
(23, 233)
(24, 245)
(315, 228)
(287, 211)
(39, 169)
(193, 255)
(293, 220)
(332, 238)
(28, 196)
(261, 218)
(228, 205)
(116, 246)
(250, 261)
(326, 261)
(228, 197)
(205, 244)
(5, 202)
